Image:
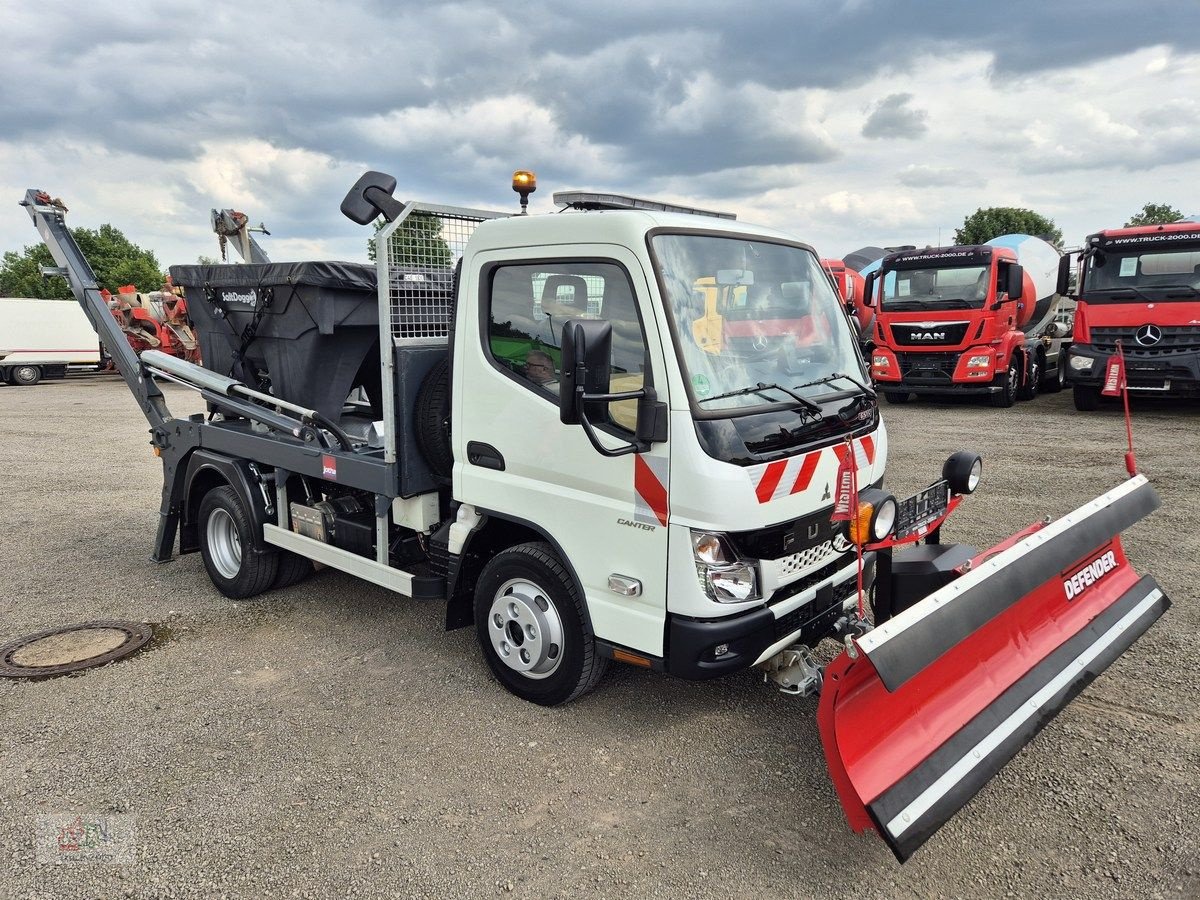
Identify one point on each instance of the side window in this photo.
(528, 306)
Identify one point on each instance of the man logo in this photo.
(1148, 335)
(928, 335)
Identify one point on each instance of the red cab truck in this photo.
(982, 319)
(1141, 287)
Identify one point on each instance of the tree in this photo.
(984, 224)
(418, 241)
(113, 257)
(1155, 214)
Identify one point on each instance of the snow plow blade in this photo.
(931, 704)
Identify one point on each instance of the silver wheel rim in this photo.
(224, 544)
(26, 373)
(525, 629)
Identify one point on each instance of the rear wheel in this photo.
(25, 375)
(897, 396)
(532, 626)
(226, 546)
(1053, 382)
(1008, 384)
(1087, 398)
(1033, 377)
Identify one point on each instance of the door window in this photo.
(527, 307)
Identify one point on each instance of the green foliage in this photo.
(1155, 214)
(984, 224)
(115, 260)
(418, 241)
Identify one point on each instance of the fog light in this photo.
(1081, 364)
(720, 649)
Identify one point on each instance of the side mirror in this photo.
(586, 348)
(583, 393)
(1064, 276)
(370, 198)
(868, 297)
(1016, 282)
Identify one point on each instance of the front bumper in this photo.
(801, 612)
(1176, 372)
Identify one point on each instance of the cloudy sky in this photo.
(847, 123)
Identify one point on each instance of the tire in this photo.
(532, 627)
(432, 419)
(1033, 377)
(1053, 383)
(897, 397)
(1087, 399)
(293, 568)
(24, 375)
(225, 528)
(1009, 382)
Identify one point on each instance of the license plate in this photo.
(921, 508)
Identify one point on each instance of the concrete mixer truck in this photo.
(984, 319)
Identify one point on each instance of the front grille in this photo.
(933, 368)
(1175, 339)
(924, 335)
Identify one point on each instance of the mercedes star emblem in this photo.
(1148, 335)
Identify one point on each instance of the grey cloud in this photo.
(892, 117)
(936, 176)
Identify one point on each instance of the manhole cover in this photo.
(71, 648)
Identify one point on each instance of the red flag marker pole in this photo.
(1130, 459)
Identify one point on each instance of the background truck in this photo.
(545, 447)
(984, 319)
(1140, 287)
(41, 338)
(850, 286)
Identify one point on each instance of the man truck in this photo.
(536, 438)
(1139, 287)
(983, 320)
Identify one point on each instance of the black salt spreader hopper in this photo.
(920, 712)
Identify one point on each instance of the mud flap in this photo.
(934, 702)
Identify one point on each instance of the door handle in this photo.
(485, 456)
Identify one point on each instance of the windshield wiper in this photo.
(863, 389)
(807, 405)
(1137, 292)
(1191, 291)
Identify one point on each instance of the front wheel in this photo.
(897, 397)
(1033, 377)
(25, 375)
(1087, 399)
(1053, 382)
(532, 627)
(1008, 384)
(225, 527)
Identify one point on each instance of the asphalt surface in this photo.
(331, 740)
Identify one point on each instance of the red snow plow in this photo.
(920, 712)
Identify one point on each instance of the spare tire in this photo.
(432, 419)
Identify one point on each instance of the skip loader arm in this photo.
(49, 216)
(923, 710)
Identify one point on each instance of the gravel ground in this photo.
(331, 740)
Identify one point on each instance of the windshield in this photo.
(1158, 274)
(961, 287)
(758, 323)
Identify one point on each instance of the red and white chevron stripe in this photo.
(793, 475)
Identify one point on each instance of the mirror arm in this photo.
(590, 430)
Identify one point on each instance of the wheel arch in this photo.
(207, 470)
(497, 532)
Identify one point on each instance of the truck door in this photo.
(514, 458)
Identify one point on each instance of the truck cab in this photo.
(690, 503)
(967, 320)
(1139, 288)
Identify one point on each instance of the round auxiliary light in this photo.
(875, 518)
(962, 471)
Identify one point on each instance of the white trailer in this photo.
(40, 338)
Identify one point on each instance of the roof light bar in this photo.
(591, 200)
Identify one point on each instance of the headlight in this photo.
(879, 362)
(979, 362)
(722, 575)
(962, 471)
(1081, 364)
(875, 518)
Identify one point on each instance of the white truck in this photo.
(41, 338)
(519, 416)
